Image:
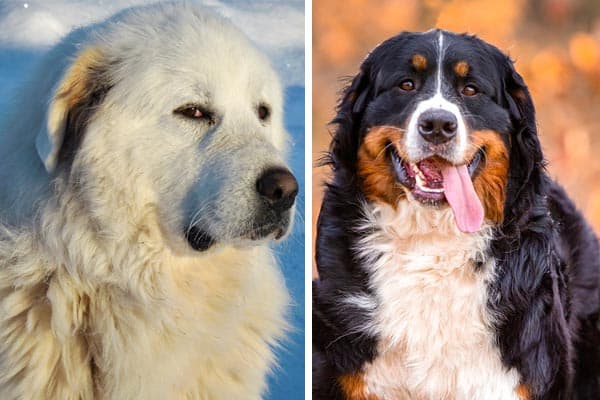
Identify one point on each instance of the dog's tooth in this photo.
(422, 185)
(432, 190)
(417, 171)
(418, 180)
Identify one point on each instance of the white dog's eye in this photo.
(195, 112)
(264, 112)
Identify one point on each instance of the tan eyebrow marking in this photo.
(419, 62)
(461, 68)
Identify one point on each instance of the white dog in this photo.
(141, 178)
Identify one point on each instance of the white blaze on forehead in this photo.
(439, 102)
(440, 61)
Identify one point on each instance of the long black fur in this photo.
(547, 286)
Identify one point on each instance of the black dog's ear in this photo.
(516, 93)
(358, 93)
(355, 98)
(526, 158)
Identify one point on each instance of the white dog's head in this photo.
(172, 108)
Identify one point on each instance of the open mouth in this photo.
(425, 179)
(435, 181)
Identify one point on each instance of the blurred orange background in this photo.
(556, 46)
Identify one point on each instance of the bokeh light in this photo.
(556, 46)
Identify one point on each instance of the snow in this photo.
(277, 27)
(28, 28)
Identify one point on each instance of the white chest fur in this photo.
(436, 336)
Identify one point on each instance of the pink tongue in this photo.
(461, 196)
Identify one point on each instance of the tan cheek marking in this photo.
(353, 387)
(378, 178)
(461, 68)
(419, 62)
(523, 392)
(490, 183)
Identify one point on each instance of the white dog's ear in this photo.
(79, 92)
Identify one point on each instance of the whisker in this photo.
(383, 150)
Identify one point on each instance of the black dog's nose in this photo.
(437, 126)
(279, 187)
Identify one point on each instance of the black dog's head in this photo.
(439, 119)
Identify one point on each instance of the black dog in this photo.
(451, 266)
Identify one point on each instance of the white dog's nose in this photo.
(279, 187)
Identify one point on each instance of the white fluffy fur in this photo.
(101, 297)
(435, 330)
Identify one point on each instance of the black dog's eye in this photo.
(195, 112)
(407, 85)
(469, 90)
(264, 112)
